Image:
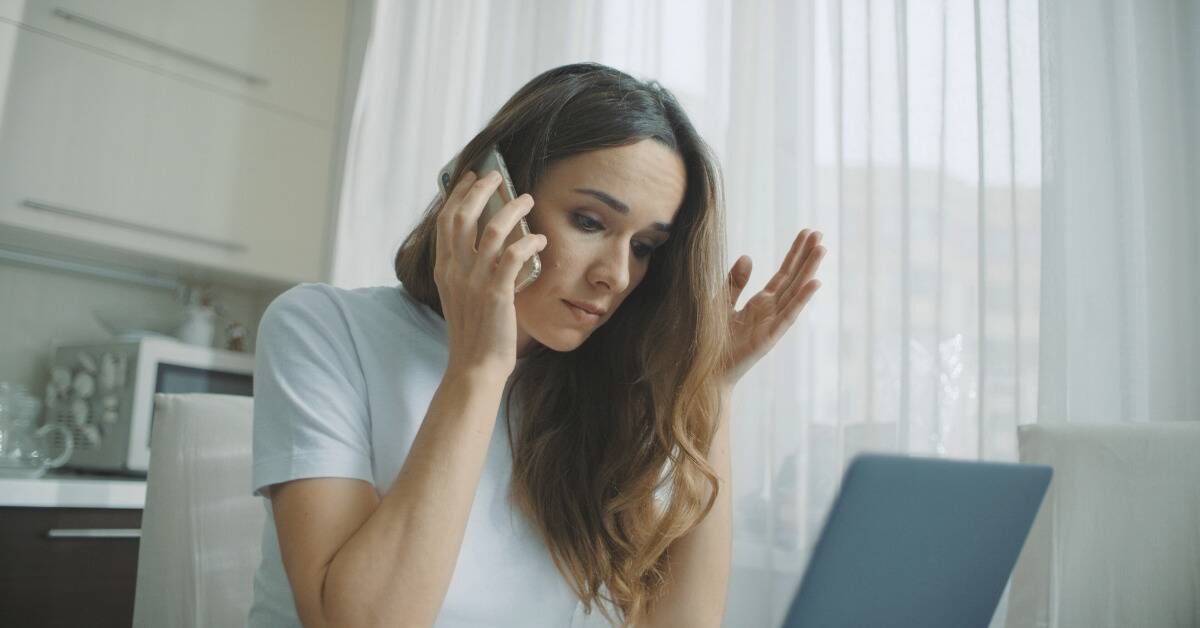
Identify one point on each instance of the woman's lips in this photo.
(581, 314)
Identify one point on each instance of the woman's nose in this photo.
(612, 270)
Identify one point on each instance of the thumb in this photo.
(739, 276)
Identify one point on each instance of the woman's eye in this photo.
(589, 224)
(585, 223)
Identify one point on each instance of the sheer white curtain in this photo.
(1122, 267)
(908, 132)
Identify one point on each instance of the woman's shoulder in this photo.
(368, 307)
(322, 298)
(307, 291)
(304, 303)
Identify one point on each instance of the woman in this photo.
(447, 453)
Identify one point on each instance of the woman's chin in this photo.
(560, 340)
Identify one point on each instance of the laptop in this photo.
(918, 542)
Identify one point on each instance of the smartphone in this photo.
(493, 160)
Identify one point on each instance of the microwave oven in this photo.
(104, 393)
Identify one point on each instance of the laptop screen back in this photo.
(918, 542)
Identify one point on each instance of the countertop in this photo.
(64, 490)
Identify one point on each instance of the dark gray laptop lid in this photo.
(918, 542)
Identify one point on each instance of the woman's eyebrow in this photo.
(617, 205)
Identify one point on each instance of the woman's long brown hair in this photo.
(631, 413)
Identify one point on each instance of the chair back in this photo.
(201, 527)
(1117, 540)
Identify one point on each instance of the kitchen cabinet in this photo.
(68, 566)
(283, 54)
(70, 547)
(129, 147)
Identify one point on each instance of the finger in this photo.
(498, 229)
(814, 243)
(787, 316)
(780, 278)
(444, 240)
(798, 300)
(464, 218)
(796, 273)
(739, 275)
(460, 188)
(803, 277)
(514, 257)
(812, 263)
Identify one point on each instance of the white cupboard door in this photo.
(111, 153)
(83, 21)
(71, 134)
(126, 28)
(294, 47)
(253, 182)
(282, 53)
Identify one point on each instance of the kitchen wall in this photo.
(41, 305)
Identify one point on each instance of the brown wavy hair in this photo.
(633, 410)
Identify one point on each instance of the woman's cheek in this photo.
(558, 247)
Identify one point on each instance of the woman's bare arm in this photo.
(700, 560)
(354, 559)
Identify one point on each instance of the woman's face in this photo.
(603, 212)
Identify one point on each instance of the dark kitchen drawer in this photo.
(84, 581)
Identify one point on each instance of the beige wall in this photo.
(39, 305)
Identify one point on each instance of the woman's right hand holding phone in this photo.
(476, 285)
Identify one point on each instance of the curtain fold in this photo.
(1122, 211)
(907, 131)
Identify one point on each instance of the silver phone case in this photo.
(504, 193)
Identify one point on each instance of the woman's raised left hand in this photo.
(767, 315)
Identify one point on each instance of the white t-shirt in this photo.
(342, 381)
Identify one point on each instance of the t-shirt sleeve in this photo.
(310, 409)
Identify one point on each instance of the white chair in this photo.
(201, 528)
(1117, 540)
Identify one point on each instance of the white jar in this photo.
(198, 326)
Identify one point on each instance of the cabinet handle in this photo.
(115, 31)
(94, 533)
(77, 213)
